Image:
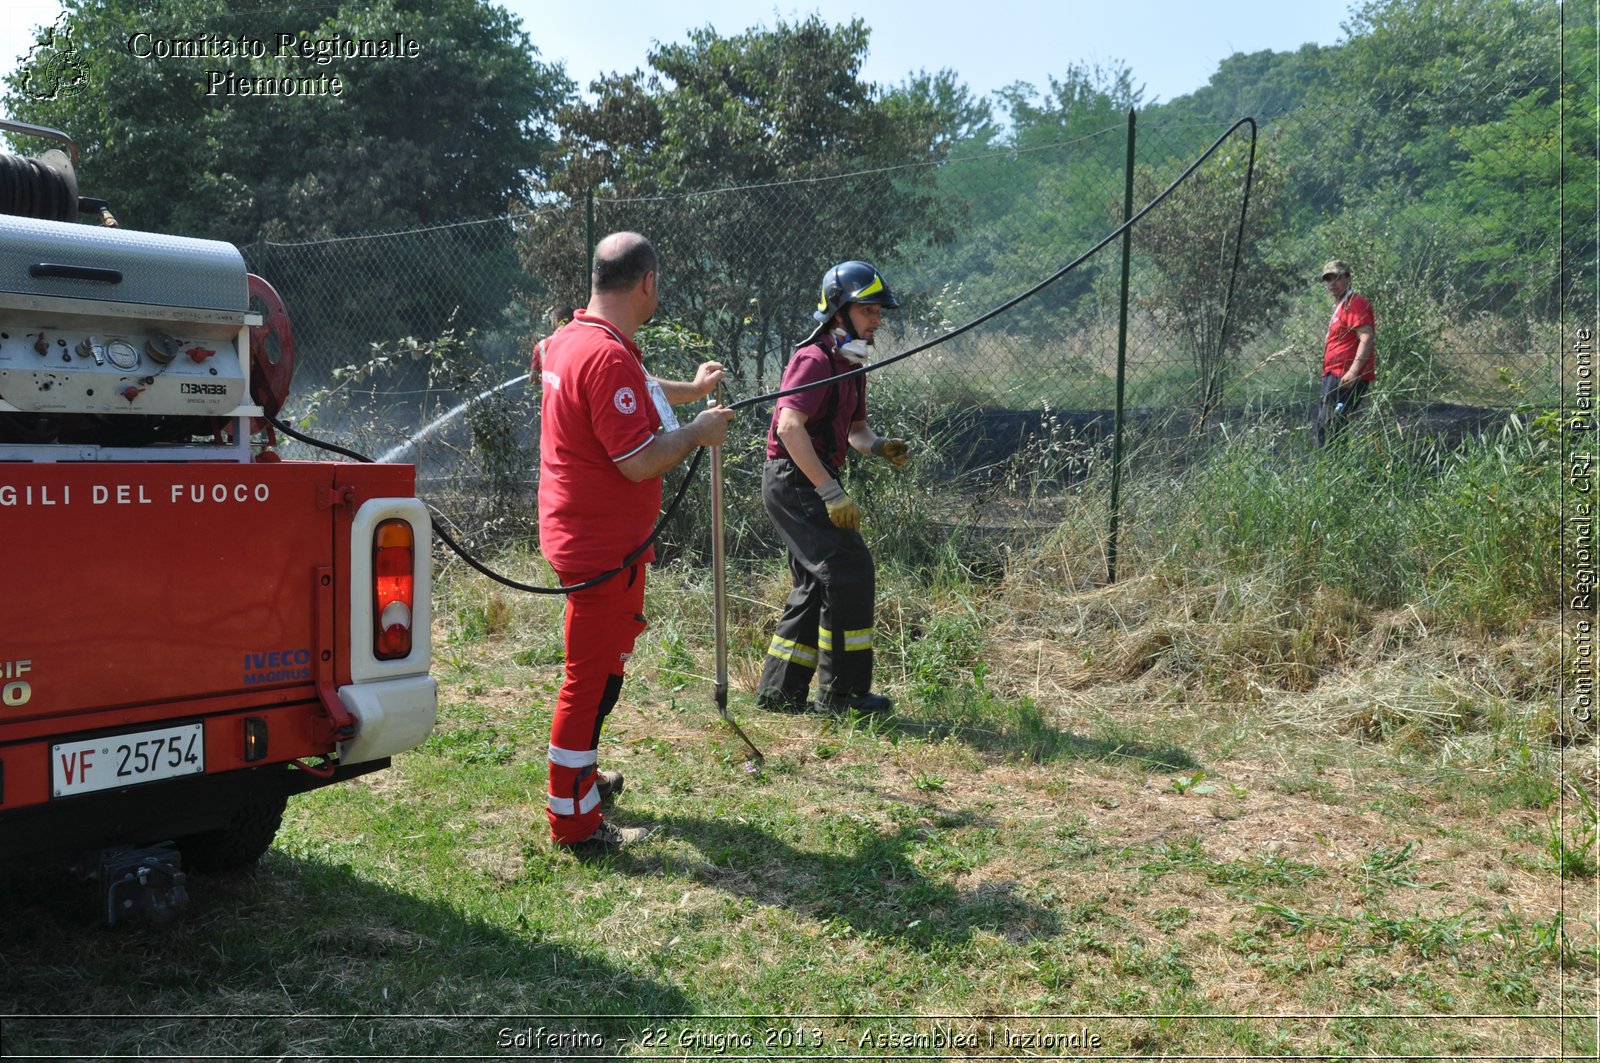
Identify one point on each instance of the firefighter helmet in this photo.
(850, 282)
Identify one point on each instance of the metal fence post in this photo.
(589, 232)
(1122, 360)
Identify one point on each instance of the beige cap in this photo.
(1335, 268)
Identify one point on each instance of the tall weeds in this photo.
(1469, 530)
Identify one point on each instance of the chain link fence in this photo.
(411, 344)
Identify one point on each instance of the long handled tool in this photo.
(719, 594)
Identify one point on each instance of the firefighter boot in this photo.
(861, 704)
(780, 702)
(608, 838)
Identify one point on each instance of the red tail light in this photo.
(393, 562)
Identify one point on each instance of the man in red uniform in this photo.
(1349, 360)
(826, 626)
(607, 434)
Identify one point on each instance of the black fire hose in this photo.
(461, 551)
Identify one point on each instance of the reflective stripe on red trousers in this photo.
(602, 624)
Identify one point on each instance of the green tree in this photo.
(1411, 76)
(409, 143)
(753, 162)
(1263, 85)
(1514, 174)
(1191, 241)
(1031, 197)
(1081, 101)
(1437, 129)
(454, 132)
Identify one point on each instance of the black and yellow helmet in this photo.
(850, 282)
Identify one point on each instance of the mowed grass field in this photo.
(1212, 810)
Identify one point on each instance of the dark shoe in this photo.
(872, 704)
(861, 704)
(609, 784)
(608, 838)
(783, 703)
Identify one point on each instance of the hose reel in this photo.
(271, 348)
(45, 188)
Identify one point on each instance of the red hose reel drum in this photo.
(271, 348)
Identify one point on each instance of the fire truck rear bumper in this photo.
(392, 715)
(142, 815)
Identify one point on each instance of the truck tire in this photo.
(241, 843)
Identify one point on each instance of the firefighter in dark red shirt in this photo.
(826, 626)
(607, 434)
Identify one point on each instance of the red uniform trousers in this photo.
(601, 626)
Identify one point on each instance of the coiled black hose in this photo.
(30, 188)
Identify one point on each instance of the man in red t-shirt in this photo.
(607, 433)
(1349, 359)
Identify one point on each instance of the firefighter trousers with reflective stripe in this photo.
(826, 626)
(602, 625)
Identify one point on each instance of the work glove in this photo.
(895, 451)
(842, 509)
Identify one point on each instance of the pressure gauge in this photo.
(123, 355)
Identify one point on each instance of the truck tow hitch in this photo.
(141, 883)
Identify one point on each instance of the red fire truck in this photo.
(192, 630)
